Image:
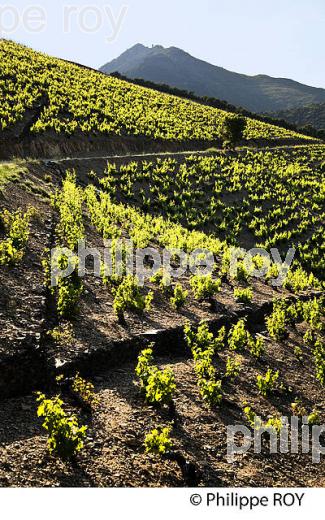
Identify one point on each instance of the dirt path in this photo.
(139, 156)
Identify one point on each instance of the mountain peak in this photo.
(137, 46)
(177, 68)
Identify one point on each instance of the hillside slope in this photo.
(179, 69)
(48, 335)
(44, 96)
(313, 115)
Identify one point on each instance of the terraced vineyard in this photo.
(44, 94)
(205, 350)
(250, 199)
(121, 377)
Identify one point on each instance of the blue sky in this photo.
(282, 38)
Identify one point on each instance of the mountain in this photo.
(179, 69)
(310, 115)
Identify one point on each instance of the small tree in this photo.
(232, 129)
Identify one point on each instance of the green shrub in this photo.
(267, 383)
(160, 386)
(277, 322)
(65, 435)
(255, 422)
(179, 297)
(314, 418)
(68, 203)
(63, 335)
(85, 390)
(203, 346)
(203, 366)
(275, 423)
(157, 385)
(319, 358)
(298, 280)
(312, 313)
(256, 347)
(69, 292)
(128, 296)
(17, 226)
(67, 289)
(243, 295)
(233, 367)
(309, 338)
(143, 368)
(211, 391)
(298, 409)
(272, 272)
(203, 339)
(9, 254)
(238, 337)
(204, 287)
(298, 353)
(240, 274)
(158, 441)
